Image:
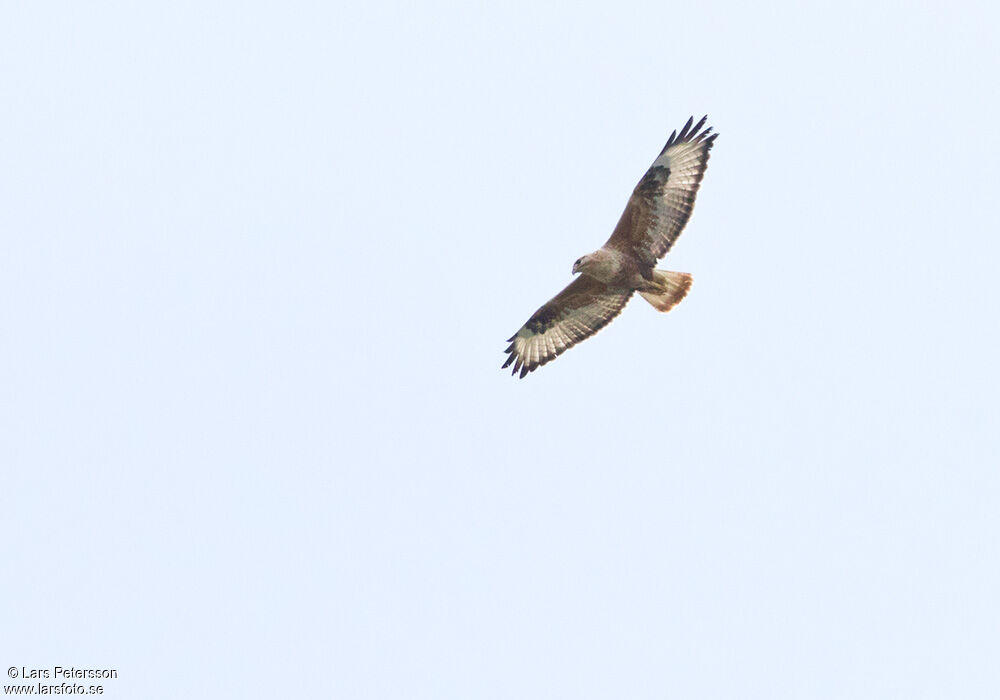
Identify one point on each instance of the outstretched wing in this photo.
(577, 312)
(661, 203)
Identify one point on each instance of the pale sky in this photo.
(257, 266)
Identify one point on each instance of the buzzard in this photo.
(654, 217)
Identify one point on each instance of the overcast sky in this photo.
(257, 266)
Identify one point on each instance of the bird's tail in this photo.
(667, 289)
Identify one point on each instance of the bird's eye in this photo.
(578, 261)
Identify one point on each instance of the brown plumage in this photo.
(654, 217)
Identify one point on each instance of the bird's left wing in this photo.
(584, 307)
(661, 203)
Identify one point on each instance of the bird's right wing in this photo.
(584, 307)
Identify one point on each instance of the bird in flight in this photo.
(653, 219)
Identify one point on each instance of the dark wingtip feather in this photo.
(510, 359)
(524, 371)
(690, 132)
(670, 141)
(687, 129)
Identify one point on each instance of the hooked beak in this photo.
(576, 268)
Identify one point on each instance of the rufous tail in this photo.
(674, 286)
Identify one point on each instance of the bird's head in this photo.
(580, 264)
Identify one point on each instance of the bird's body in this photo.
(654, 217)
(610, 267)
